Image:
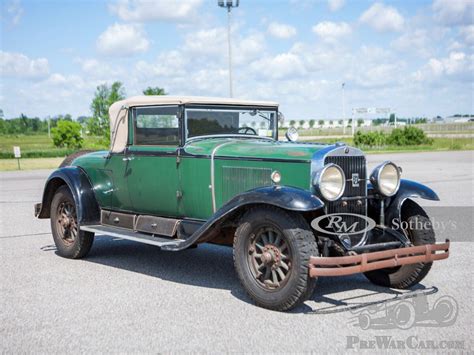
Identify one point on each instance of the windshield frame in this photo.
(229, 108)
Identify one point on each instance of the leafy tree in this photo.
(360, 122)
(341, 122)
(331, 122)
(292, 123)
(321, 123)
(67, 134)
(281, 119)
(302, 122)
(104, 96)
(154, 91)
(311, 123)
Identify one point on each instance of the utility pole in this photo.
(229, 4)
(343, 110)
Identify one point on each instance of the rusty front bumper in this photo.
(353, 264)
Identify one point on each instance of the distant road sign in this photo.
(17, 152)
(371, 110)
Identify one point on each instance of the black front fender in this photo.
(408, 189)
(285, 197)
(76, 179)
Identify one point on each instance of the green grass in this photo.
(41, 146)
(48, 157)
(439, 144)
(30, 164)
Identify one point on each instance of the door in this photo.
(152, 174)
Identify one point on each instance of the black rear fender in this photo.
(76, 180)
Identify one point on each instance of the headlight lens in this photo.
(331, 182)
(387, 178)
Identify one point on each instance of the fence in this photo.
(429, 128)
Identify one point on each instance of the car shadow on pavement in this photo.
(347, 293)
(211, 266)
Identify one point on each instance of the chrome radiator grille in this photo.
(351, 165)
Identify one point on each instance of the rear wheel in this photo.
(70, 241)
(272, 248)
(420, 232)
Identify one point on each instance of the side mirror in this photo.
(292, 134)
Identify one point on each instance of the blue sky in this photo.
(413, 56)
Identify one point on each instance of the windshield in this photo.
(212, 121)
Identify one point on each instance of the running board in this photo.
(122, 233)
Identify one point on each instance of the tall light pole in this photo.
(343, 110)
(229, 4)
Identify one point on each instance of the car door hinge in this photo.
(178, 158)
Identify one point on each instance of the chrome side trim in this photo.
(213, 182)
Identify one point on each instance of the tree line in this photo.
(65, 131)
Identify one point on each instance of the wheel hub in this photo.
(269, 258)
(270, 255)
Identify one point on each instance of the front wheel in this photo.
(70, 241)
(420, 232)
(272, 248)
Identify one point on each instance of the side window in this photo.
(156, 125)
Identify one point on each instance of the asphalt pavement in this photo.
(131, 297)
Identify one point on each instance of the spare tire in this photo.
(69, 159)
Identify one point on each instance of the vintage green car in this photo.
(188, 170)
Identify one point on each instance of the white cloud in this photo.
(168, 64)
(454, 12)
(284, 65)
(335, 5)
(458, 66)
(383, 18)
(146, 10)
(122, 40)
(18, 65)
(95, 69)
(331, 31)
(417, 41)
(467, 32)
(207, 42)
(212, 43)
(15, 10)
(281, 30)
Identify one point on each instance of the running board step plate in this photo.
(131, 235)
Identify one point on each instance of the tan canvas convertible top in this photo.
(118, 112)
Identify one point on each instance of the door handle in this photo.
(128, 158)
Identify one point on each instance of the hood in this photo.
(254, 148)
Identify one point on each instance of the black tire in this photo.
(406, 276)
(70, 242)
(69, 159)
(290, 242)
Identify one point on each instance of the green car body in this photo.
(182, 171)
(159, 185)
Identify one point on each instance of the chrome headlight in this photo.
(386, 178)
(331, 182)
